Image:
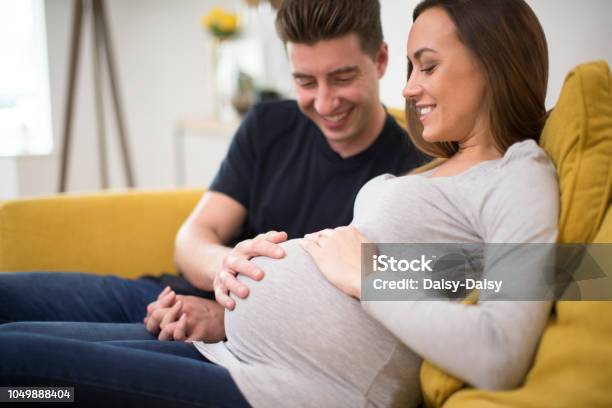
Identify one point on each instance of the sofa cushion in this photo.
(578, 138)
(128, 234)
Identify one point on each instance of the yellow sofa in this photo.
(121, 233)
(132, 233)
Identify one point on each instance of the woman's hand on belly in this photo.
(337, 253)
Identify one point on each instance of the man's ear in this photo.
(382, 59)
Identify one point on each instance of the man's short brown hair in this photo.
(311, 21)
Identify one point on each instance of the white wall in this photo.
(577, 32)
(8, 178)
(161, 52)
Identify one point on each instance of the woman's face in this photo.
(447, 85)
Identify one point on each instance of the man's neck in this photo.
(353, 147)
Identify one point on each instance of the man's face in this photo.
(337, 88)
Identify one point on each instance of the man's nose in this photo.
(326, 101)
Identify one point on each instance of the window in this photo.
(25, 109)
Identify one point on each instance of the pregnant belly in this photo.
(295, 317)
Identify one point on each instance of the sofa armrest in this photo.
(127, 234)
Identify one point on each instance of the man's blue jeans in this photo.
(117, 373)
(64, 336)
(74, 297)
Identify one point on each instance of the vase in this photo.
(223, 79)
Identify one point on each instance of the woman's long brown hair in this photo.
(509, 43)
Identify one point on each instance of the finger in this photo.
(155, 319)
(164, 292)
(239, 265)
(229, 281)
(257, 247)
(154, 305)
(172, 315)
(275, 236)
(315, 236)
(236, 287)
(312, 237)
(266, 235)
(326, 232)
(311, 240)
(152, 323)
(180, 330)
(167, 332)
(267, 248)
(311, 247)
(223, 299)
(151, 307)
(165, 301)
(323, 239)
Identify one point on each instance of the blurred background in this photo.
(185, 71)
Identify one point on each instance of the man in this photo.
(294, 167)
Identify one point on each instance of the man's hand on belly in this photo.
(238, 261)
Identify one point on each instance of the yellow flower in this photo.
(220, 22)
(228, 23)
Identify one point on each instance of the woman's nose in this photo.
(412, 89)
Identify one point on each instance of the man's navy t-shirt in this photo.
(282, 170)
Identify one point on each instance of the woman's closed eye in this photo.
(429, 69)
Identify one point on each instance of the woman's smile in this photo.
(424, 111)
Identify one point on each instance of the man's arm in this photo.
(209, 265)
(199, 251)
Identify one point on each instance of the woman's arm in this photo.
(491, 345)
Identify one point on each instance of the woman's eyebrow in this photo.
(418, 53)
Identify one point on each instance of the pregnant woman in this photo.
(475, 96)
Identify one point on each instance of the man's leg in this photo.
(81, 330)
(51, 296)
(118, 373)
